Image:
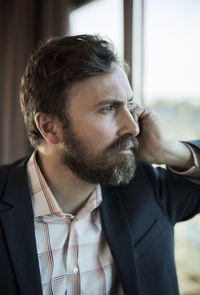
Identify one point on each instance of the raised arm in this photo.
(155, 147)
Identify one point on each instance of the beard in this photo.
(111, 167)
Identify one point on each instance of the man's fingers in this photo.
(140, 112)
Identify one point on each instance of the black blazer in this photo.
(138, 220)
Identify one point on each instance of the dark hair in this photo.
(53, 68)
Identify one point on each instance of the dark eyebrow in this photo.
(110, 101)
(114, 102)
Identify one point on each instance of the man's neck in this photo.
(70, 191)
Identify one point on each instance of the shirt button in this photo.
(75, 269)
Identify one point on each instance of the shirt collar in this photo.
(44, 202)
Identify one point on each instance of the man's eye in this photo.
(108, 109)
(130, 105)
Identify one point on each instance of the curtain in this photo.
(22, 23)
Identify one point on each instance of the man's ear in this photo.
(48, 127)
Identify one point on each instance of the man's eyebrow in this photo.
(115, 102)
(110, 101)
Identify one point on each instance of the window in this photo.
(166, 47)
(103, 17)
(171, 50)
(170, 63)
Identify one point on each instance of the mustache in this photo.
(124, 142)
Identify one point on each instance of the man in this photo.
(80, 216)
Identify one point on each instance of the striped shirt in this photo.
(74, 257)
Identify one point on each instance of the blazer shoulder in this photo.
(5, 170)
(6, 167)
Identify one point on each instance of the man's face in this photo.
(99, 143)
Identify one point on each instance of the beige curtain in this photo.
(22, 24)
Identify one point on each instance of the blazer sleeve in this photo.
(177, 196)
(193, 173)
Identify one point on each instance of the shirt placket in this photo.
(72, 265)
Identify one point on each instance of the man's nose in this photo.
(128, 125)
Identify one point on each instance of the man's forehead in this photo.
(114, 85)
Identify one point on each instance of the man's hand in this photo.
(154, 147)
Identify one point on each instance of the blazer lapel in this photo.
(18, 224)
(116, 228)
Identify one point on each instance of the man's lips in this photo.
(127, 150)
(126, 145)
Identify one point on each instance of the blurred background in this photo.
(161, 42)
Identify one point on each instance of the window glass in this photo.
(171, 64)
(171, 87)
(104, 17)
(171, 50)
